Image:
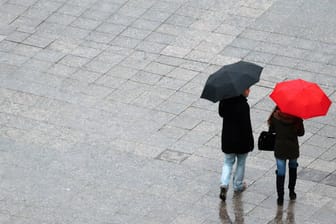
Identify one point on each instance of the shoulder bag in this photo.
(266, 141)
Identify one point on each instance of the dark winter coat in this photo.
(287, 129)
(237, 134)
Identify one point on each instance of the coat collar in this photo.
(235, 99)
(286, 118)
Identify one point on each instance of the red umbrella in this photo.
(301, 98)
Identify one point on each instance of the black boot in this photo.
(280, 181)
(292, 183)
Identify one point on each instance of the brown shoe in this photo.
(241, 189)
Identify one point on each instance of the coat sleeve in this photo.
(300, 128)
(221, 109)
(245, 124)
(271, 127)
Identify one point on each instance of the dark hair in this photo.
(269, 118)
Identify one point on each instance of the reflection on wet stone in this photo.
(290, 213)
(278, 216)
(237, 209)
(223, 214)
(290, 216)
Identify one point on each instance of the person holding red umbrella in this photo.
(287, 128)
(296, 100)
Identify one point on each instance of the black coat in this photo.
(237, 136)
(287, 129)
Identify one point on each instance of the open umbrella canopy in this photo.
(231, 80)
(301, 98)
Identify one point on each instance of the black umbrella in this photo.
(231, 80)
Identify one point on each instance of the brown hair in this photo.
(269, 118)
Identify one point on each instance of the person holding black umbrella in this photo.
(231, 86)
(237, 140)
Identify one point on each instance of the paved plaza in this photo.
(101, 120)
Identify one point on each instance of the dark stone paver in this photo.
(312, 175)
(330, 180)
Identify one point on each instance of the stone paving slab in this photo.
(101, 120)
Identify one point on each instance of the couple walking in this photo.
(237, 142)
(298, 100)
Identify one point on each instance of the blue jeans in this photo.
(281, 165)
(238, 177)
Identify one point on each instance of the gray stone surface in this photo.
(101, 120)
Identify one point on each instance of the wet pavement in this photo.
(101, 120)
